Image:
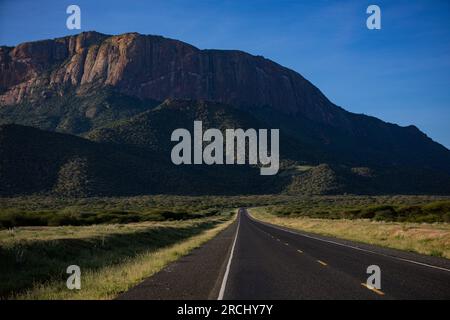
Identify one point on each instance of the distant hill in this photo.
(127, 93)
(35, 161)
(132, 157)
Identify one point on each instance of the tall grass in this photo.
(38, 258)
(428, 212)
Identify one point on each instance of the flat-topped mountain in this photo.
(153, 67)
(111, 89)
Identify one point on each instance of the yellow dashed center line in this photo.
(377, 291)
(321, 262)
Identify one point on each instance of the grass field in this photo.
(112, 258)
(425, 238)
(51, 211)
(399, 208)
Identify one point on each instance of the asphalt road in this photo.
(255, 260)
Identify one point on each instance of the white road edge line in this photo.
(227, 270)
(348, 246)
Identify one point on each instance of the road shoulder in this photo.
(197, 275)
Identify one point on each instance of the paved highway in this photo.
(255, 260)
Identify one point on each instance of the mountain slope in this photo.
(75, 113)
(151, 130)
(132, 157)
(35, 161)
(367, 141)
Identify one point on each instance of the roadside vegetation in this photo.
(425, 238)
(112, 257)
(392, 210)
(60, 211)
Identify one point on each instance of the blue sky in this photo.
(400, 73)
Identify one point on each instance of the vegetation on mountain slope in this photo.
(75, 112)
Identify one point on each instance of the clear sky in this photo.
(400, 73)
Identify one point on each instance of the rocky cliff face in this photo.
(26, 68)
(153, 67)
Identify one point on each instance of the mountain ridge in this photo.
(154, 67)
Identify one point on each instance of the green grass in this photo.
(60, 211)
(33, 256)
(78, 217)
(376, 208)
(110, 281)
(51, 211)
